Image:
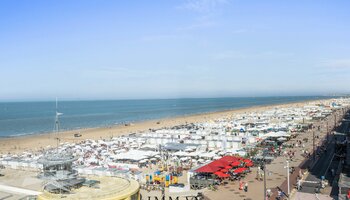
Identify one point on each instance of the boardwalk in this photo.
(276, 176)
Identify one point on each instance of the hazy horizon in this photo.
(94, 50)
(179, 98)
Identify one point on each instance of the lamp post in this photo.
(327, 131)
(288, 184)
(263, 166)
(313, 145)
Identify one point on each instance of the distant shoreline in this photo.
(39, 142)
(171, 116)
(141, 121)
(152, 99)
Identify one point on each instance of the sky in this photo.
(102, 49)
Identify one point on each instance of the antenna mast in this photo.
(57, 124)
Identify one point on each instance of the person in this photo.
(240, 185)
(279, 194)
(332, 172)
(246, 187)
(323, 184)
(268, 193)
(298, 184)
(300, 174)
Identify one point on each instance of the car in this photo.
(77, 135)
(178, 185)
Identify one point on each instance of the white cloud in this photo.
(203, 5)
(260, 55)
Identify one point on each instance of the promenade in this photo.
(276, 171)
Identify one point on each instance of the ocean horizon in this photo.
(37, 117)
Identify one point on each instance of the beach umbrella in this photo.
(228, 167)
(236, 164)
(222, 175)
(218, 173)
(224, 170)
(250, 164)
(240, 170)
(247, 160)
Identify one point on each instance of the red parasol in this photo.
(240, 170)
(236, 164)
(224, 170)
(221, 175)
(247, 160)
(224, 175)
(218, 173)
(250, 164)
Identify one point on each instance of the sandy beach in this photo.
(41, 141)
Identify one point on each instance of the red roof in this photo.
(225, 162)
(219, 163)
(229, 158)
(207, 169)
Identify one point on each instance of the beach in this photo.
(42, 141)
(187, 147)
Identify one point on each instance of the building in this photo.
(62, 181)
(108, 188)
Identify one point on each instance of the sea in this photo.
(25, 118)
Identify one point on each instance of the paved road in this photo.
(326, 161)
(319, 169)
